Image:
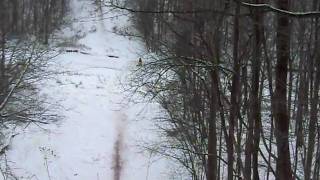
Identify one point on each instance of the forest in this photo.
(238, 81)
(25, 29)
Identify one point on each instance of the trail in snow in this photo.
(96, 139)
(118, 147)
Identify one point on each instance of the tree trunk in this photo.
(280, 96)
(212, 139)
(256, 103)
(234, 95)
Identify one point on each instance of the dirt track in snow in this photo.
(117, 158)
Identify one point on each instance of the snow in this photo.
(96, 118)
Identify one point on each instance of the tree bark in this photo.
(212, 139)
(234, 94)
(256, 103)
(283, 166)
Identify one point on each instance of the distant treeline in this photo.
(37, 17)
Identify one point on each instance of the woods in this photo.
(238, 82)
(26, 27)
(34, 17)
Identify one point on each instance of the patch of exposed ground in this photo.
(117, 160)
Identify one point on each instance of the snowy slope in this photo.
(99, 133)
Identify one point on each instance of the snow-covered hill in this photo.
(99, 134)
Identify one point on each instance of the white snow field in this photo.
(98, 136)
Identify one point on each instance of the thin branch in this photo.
(271, 8)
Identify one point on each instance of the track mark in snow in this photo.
(117, 159)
